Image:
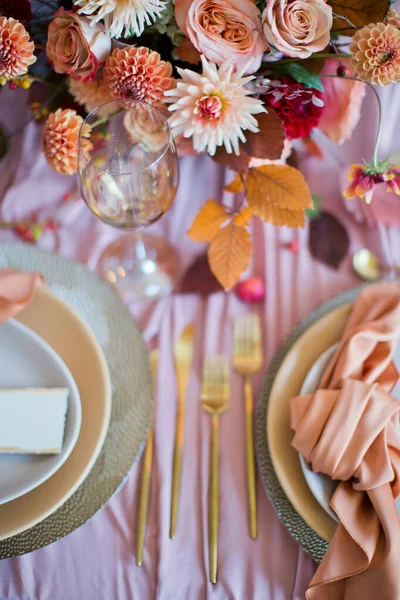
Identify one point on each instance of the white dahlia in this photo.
(214, 108)
(122, 18)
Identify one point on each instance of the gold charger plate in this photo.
(82, 315)
(278, 462)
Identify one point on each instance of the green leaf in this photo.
(315, 211)
(302, 75)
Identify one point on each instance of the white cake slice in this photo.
(32, 421)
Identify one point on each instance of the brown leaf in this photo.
(243, 218)
(358, 12)
(240, 164)
(329, 241)
(198, 279)
(229, 254)
(280, 185)
(236, 185)
(282, 216)
(187, 52)
(268, 142)
(315, 65)
(207, 221)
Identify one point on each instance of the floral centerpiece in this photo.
(240, 80)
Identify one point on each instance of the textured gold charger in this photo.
(108, 324)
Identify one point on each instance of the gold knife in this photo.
(145, 479)
(183, 352)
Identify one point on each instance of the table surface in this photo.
(97, 561)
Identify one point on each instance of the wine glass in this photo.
(128, 177)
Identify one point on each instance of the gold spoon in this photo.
(368, 266)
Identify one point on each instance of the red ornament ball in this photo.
(251, 290)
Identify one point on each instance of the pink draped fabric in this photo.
(349, 430)
(97, 562)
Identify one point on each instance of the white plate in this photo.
(322, 487)
(26, 360)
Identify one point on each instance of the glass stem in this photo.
(140, 249)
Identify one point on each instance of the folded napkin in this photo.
(349, 430)
(16, 291)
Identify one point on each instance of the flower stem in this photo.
(374, 161)
(328, 55)
(105, 119)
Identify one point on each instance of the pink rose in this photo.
(343, 99)
(74, 47)
(297, 27)
(222, 29)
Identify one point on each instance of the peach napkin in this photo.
(349, 429)
(16, 291)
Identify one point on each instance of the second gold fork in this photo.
(214, 399)
(247, 360)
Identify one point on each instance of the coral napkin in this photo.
(16, 291)
(349, 429)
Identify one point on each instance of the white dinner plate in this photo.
(26, 361)
(322, 487)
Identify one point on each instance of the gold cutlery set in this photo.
(214, 398)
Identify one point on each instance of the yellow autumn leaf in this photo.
(282, 216)
(236, 185)
(280, 185)
(208, 221)
(243, 217)
(229, 254)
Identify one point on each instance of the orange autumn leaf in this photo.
(187, 52)
(281, 185)
(236, 185)
(229, 254)
(282, 216)
(313, 148)
(243, 217)
(207, 222)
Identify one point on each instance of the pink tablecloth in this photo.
(97, 562)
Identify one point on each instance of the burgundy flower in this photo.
(18, 9)
(299, 108)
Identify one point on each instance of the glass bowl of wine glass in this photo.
(128, 177)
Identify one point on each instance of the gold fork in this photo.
(214, 399)
(183, 352)
(143, 507)
(247, 360)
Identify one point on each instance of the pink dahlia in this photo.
(213, 107)
(16, 51)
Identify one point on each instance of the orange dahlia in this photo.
(137, 74)
(393, 17)
(16, 51)
(375, 53)
(60, 140)
(91, 94)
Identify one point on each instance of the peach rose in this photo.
(222, 29)
(297, 27)
(343, 100)
(74, 47)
